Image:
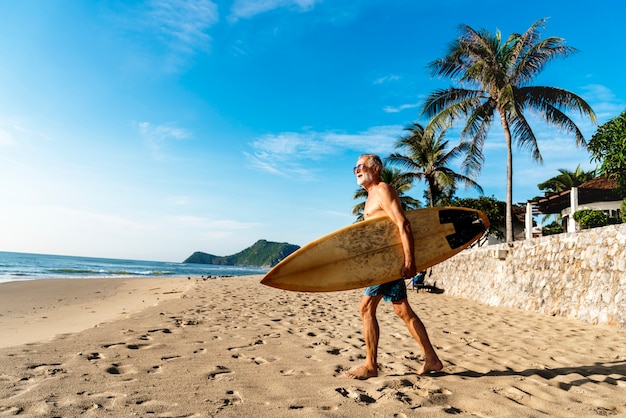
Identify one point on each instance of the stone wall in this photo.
(577, 275)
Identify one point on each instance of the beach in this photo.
(230, 347)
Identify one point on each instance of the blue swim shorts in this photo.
(392, 291)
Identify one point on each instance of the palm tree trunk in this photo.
(509, 178)
(431, 193)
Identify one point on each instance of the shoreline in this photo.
(37, 310)
(232, 347)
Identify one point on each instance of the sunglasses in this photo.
(358, 168)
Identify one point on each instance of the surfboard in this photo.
(370, 252)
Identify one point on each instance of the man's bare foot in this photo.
(362, 373)
(428, 367)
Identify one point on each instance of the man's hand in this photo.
(409, 271)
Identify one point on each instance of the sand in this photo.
(231, 347)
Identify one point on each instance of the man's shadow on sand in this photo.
(608, 370)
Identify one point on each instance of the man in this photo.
(383, 200)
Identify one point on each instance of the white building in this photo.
(596, 194)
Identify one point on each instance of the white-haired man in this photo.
(383, 200)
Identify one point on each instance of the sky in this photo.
(151, 129)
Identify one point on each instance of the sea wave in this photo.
(21, 266)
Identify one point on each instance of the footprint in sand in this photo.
(156, 369)
(340, 371)
(434, 397)
(119, 369)
(232, 398)
(112, 345)
(94, 356)
(163, 330)
(218, 371)
(396, 384)
(50, 369)
(359, 395)
(168, 358)
(11, 410)
(138, 346)
(397, 390)
(150, 406)
(292, 372)
(103, 398)
(180, 322)
(32, 377)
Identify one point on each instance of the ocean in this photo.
(23, 266)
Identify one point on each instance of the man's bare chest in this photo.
(372, 209)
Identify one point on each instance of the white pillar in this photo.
(573, 207)
(528, 220)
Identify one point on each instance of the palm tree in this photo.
(494, 77)
(427, 159)
(395, 179)
(566, 180)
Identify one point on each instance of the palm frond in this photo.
(493, 77)
(549, 101)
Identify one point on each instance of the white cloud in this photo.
(397, 109)
(386, 79)
(157, 136)
(283, 153)
(292, 154)
(245, 9)
(377, 139)
(162, 131)
(182, 24)
(165, 34)
(290, 143)
(603, 101)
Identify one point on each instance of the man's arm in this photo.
(390, 203)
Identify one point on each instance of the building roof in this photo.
(599, 189)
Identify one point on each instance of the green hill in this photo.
(262, 254)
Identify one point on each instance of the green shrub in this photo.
(552, 229)
(622, 211)
(588, 218)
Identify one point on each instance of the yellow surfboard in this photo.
(370, 252)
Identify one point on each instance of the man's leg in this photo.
(367, 310)
(418, 331)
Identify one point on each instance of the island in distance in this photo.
(262, 253)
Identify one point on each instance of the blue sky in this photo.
(153, 129)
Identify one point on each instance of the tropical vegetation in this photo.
(490, 206)
(608, 146)
(261, 254)
(493, 77)
(589, 218)
(427, 157)
(566, 180)
(553, 228)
